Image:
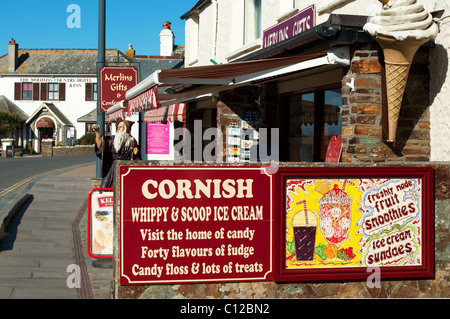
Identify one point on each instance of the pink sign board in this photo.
(158, 138)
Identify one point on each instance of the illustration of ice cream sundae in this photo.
(400, 28)
(334, 213)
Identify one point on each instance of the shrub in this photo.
(87, 139)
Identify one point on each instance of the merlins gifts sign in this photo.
(115, 82)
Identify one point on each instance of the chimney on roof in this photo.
(130, 52)
(166, 40)
(13, 55)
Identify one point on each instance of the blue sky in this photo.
(42, 24)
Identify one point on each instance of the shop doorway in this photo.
(46, 128)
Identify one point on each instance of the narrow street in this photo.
(20, 172)
(45, 243)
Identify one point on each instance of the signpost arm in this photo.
(100, 63)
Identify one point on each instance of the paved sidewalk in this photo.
(46, 236)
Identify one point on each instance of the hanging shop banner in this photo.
(100, 223)
(195, 224)
(115, 82)
(340, 223)
(299, 23)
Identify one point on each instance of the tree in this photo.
(9, 122)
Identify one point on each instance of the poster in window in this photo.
(336, 226)
(158, 138)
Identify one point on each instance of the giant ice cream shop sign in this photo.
(218, 224)
(400, 28)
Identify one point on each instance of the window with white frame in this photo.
(252, 20)
(53, 91)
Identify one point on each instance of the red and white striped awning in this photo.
(171, 113)
(144, 101)
(116, 116)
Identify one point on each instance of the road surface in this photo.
(17, 172)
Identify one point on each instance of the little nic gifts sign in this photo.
(299, 23)
(195, 224)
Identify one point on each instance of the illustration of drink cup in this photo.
(304, 225)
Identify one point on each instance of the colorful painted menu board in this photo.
(342, 224)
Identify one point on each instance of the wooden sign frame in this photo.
(410, 187)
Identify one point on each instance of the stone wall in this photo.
(73, 150)
(47, 148)
(437, 287)
(365, 108)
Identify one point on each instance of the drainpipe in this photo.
(216, 26)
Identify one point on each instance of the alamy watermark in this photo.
(374, 279)
(247, 146)
(74, 279)
(74, 19)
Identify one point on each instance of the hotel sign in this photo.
(195, 224)
(114, 83)
(301, 22)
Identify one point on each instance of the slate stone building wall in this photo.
(365, 107)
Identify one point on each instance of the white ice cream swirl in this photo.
(401, 19)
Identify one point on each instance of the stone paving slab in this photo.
(39, 243)
(42, 293)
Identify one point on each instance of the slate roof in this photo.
(90, 117)
(62, 61)
(148, 65)
(7, 106)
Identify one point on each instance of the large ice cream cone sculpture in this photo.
(398, 56)
(400, 29)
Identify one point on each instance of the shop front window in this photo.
(308, 120)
